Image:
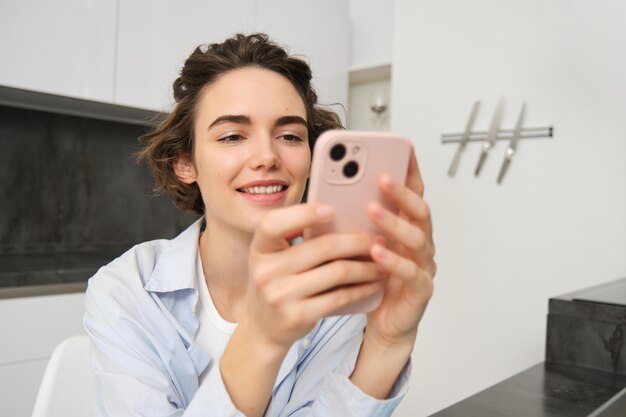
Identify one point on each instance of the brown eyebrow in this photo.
(231, 118)
(287, 120)
(243, 119)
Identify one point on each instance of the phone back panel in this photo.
(374, 153)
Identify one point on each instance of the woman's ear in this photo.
(184, 170)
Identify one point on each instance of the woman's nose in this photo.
(264, 154)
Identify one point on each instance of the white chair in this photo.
(65, 389)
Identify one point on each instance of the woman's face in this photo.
(251, 147)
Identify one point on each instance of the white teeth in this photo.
(264, 190)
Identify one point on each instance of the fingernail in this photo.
(378, 251)
(325, 211)
(389, 182)
(381, 240)
(377, 210)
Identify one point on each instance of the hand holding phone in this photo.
(344, 174)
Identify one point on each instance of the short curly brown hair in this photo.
(173, 137)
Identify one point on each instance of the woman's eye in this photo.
(291, 138)
(230, 139)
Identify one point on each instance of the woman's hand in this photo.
(408, 258)
(291, 288)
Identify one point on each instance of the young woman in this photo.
(232, 317)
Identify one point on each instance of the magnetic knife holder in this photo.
(490, 137)
(503, 134)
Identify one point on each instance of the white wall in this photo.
(558, 221)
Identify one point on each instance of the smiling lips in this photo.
(264, 192)
(270, 189)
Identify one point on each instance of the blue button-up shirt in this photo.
(142, 319)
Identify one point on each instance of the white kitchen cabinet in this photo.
(319, 30)
(371, 23)
(31, 327)
(59, 47)
(128, 52)
(155, 37)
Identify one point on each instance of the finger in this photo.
(322, 249)
(414, 177)
(401, 267)
(281, 266)
(328, 303)
(276, 228)
(331, 275)
(410, 203)
(413, 238)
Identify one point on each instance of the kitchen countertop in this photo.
(544, 390)
(50, 273)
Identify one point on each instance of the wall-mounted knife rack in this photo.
(503, 134)
(489, 138)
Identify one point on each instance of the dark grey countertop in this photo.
(545, 390)
(611, 293)
(24, 275)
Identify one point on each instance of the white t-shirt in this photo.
(213, 332)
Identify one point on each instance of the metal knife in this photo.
(510, 151)
(492, 135)
(464, 139)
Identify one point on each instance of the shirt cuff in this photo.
(212, 398)
(340, 397)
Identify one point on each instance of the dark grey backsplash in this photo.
(70, 185)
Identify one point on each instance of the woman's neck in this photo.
(224, 252)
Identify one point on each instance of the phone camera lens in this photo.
(337, 152)
(350, 169)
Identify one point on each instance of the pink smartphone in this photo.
(345, 171)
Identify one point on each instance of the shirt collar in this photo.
(176, 270)
(175, 267)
